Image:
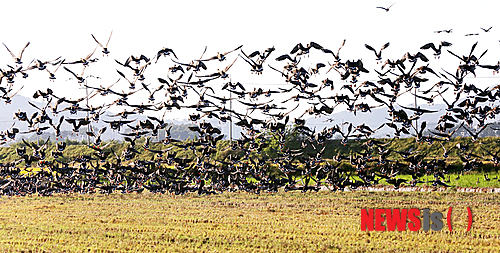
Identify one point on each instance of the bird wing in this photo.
(109, 38)
(73, 73)
(284, 57)
(90, 55)
(445, 44)
(229, 66)
(233, 50)
(9, 50)
(22, 50)
(429, 45)
(386, 45)
(370, 48)
(315, 45)
(96, 40)
(296, 48)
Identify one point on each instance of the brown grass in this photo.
(238, 222)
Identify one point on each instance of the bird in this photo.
(396, 182)
(315, 70)
(475, 135)
(378, 54)
(256, 66)
(77, 123)
(57, 127)
(486, 30)
(495, 68)
(336, 56)
(151, 97)
(8, 97)
(486, 178)
(52, 74)
(105, 50)
(471, 59)
(386, 8)
(42, 65)
(164, 52)
(437, 50)
(80, 77)
(439, 182)
(299, 49)
(196, 65)
(86, 60)
(414, 57)
(103, 91)
(222, 56)
(444, 31)
(97, 137)
(17, 58)
(131, 83)
(220, 73)
(447, 136)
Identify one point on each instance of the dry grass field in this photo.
(239, 222)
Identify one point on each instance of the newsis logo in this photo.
(401, 219)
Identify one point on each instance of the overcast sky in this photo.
(64, 28)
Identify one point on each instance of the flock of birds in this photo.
(109, 170)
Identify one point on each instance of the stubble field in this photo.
(239, 222)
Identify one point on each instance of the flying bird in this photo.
(486, 30)
(386, 8)
(379, 53)
(444, 31)
(437, 50)
(105, 50)
(17, 58)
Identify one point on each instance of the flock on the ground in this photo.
(264, 119)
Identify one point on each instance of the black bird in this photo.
(221, 73)
(299, 49)
(78, 122)
(105, 50)
(475, 135)
(42, 65)
(419, 134)
(85, 61)
(52, 74)
(495, 68)
(117, 124)
(256, 66)
(396, 182)
(221, 56)
(17, 58)
(437, 50)
(131, 83)
(438, 182)
(78, 77)
(486, 30)
(196, 65)
(8, 97)
(444, 31)
(97, 137)
(164, 52)
(470, 59)
(57, 127)
(336, 56)
(414, 57)
(386, 8)
(447, 136)
(378, 54)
